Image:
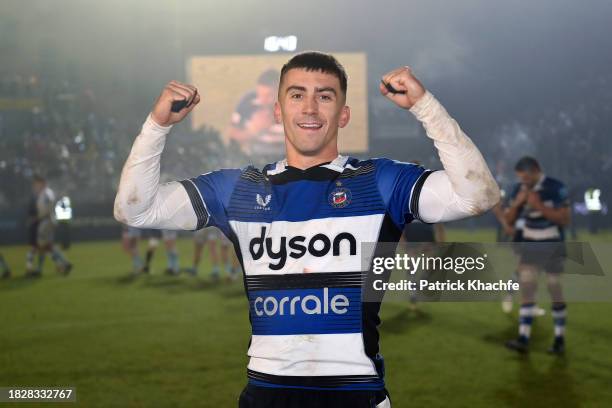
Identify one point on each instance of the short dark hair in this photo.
(268, 77)
(527, 163)
(38, 178)
(317, 61)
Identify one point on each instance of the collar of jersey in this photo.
(281, 173)
(538, 185)
(336, 165)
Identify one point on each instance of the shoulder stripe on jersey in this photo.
(365, 169)
(416, 192)
(252, 174)
(197, 202)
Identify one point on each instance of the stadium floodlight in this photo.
(63, 209)
(274, 44)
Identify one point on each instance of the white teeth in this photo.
(310, 125)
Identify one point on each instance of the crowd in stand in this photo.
(80, 151)
(59, 133)
(571, 140)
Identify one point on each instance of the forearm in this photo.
(466, 186)
(141, 201)
(511, 214)
(499, 213)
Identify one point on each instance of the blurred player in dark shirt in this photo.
(542, 202)
(41, 229)
(6, 271)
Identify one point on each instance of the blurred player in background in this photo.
(212, 237)
(152, 244)
(4, 269)
(32, 225)
(543, 204)
(172, 257)
(228, 258)
(511, 233)
(130, 238)
(42, 228)
(199, 240)
(220, 254)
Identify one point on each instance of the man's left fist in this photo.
(409, 87)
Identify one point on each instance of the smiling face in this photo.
(311, 107)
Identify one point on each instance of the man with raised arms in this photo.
(297, 226)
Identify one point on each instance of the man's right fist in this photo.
(175, 91)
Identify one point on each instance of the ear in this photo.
(278, 117)
(345, 116)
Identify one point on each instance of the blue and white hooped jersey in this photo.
(298, 235)
(535, 227)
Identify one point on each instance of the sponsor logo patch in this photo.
(263, 202)
(319, 245)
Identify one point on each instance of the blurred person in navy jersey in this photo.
(542, 203)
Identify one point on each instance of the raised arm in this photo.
(465, 187)
(141, 201)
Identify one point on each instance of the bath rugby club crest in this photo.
(340, 197)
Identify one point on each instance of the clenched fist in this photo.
(409, 88)
(174, 91)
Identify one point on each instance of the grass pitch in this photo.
(158, 340)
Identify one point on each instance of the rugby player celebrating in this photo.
(297, 226)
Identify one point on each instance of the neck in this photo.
(302, 162)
